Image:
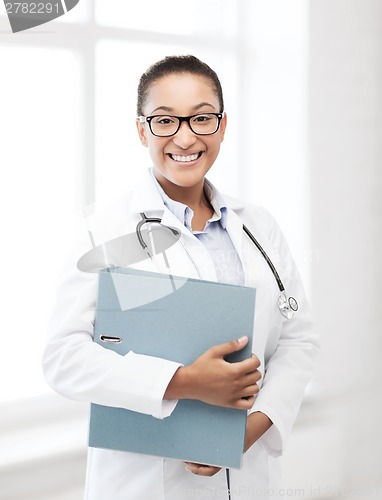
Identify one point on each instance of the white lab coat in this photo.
(80, 369)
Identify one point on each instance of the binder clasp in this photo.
(110, 339)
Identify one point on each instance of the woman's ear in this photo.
(223, 125)
(141, 132)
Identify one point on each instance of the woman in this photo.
(181, 121)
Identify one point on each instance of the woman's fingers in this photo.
(221, 350)
(244, 403)
(252, 378)
(202, 470)
(250, 365)
(213, 380)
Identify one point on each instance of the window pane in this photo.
(170, 16)
(41, 131)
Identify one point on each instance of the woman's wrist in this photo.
(179, 385)
(257, 424)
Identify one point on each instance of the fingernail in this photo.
(188, 469)
(241, 340)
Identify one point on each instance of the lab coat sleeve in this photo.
(289, 368)
(76, 367)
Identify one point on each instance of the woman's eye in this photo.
(202, 118)
(164, 120)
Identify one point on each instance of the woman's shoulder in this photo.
(250, 212)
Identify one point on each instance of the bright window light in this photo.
(188, 17)
(41, 130)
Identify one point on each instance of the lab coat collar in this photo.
(147, 198)
(184, 213)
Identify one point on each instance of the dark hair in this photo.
(172, 65)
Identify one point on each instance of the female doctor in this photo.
(181, 120)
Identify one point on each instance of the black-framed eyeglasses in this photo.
(168, 125)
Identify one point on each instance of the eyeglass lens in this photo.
(202, 124)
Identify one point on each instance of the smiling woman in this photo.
(183, 158)
(82, 158)
(183, 145)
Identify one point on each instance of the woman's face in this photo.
(181, 95)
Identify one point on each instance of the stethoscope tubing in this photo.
(264, 254)
(287, 306)
(158, 220)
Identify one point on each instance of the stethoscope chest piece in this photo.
(287, 305)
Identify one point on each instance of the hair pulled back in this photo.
(172, 65)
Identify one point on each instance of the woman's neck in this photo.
(194, 197)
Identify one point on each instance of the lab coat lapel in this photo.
(146, 197)
(190, 255)
(235, 230)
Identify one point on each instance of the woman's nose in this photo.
(185, 137)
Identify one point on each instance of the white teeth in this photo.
(185, 158)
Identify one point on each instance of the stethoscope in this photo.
(287, 305)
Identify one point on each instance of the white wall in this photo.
(342, 444)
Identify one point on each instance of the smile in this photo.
(185, 159)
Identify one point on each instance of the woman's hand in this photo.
(257, 424)
(213, 380)
(202, 470)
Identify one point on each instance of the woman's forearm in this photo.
(257, 424)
